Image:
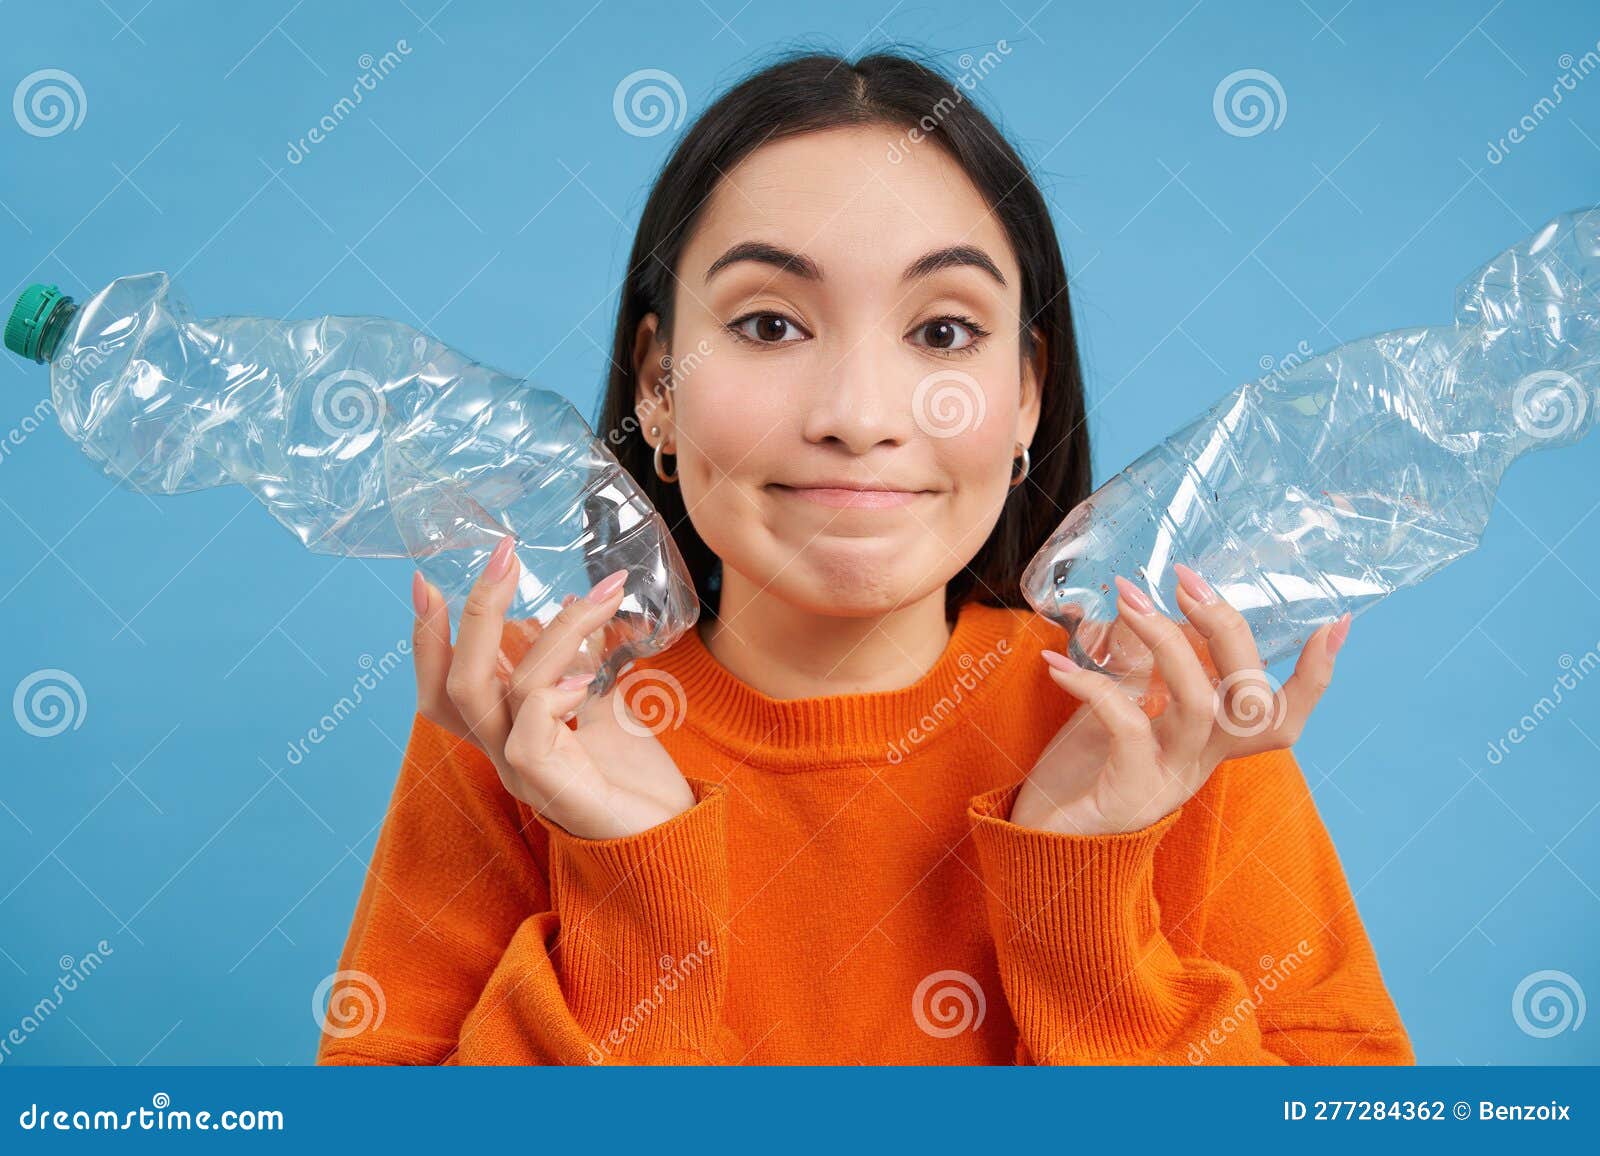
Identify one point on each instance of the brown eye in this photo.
(767, 328)
(947, 333)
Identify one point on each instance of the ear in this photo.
(652, 396)
(1033, 372)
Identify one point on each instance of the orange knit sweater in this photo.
(848, 888)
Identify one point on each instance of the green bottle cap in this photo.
(25, 328)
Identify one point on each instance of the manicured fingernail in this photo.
(1338, 634)
(419, 593)
(568, 600)
(608, 586)
(500, 561)
(1059, 661)
(574, 681)
(1134, 596)
(1196, 587)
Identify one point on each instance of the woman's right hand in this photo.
(610, 777)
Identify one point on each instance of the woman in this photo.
(882, 819)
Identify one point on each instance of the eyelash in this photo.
(735, 327)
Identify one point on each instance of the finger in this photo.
(573, 695)
(1184, 730)
(471, 683)
(564, 635)
(1244, 701)
(531, 749)
(430, 649)
(1132, 741)
(1300, 693)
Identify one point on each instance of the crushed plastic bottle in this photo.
(1327, 486)
(364, 437)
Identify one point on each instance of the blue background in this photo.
(486, 192)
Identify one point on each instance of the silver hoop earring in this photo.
(660, 470)
(1016, 475)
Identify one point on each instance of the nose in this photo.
(859, 400)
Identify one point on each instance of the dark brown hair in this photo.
(816, 91)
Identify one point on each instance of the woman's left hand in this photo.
(1112, 768)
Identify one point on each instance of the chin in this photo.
(850, 586)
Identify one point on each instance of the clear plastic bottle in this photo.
(364, 437)
(1331, 484)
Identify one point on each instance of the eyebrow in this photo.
(788, 261)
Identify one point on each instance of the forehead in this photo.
(838, 193)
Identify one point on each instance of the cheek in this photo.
(726, 421)
(978, 466)
(978, 442)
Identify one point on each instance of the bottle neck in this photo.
(55, 327)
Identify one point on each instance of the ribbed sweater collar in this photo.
(797, 734)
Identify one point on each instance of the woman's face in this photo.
(843, 320)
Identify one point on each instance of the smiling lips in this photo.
(841, 497)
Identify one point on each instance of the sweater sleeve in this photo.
(485, 934)
(1280, 971)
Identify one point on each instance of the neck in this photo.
(788, 652)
